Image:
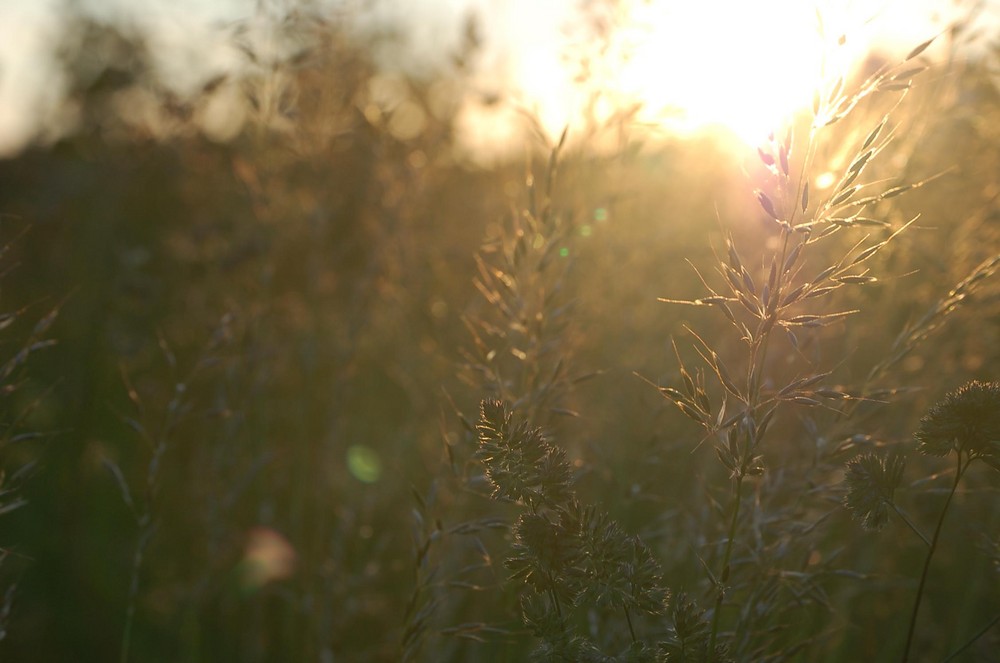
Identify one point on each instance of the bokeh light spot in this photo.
(363, 463)
(825, 180)
(407, 121)
(268, 557)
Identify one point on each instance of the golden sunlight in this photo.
(739, 66)
(732, 67)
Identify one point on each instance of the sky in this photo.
(691, 64)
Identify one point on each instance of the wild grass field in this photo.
(329, 389)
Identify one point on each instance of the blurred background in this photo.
(239, 279)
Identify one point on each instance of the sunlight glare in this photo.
(741, 70)
(740, 66)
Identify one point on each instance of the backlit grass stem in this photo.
(730, 538)
(959, 470)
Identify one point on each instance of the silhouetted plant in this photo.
(15, 429)
(871, 483)
(576, 557)
(967, 422)
(689, 636)
(157, 432)
(759, 306)
(519, 352)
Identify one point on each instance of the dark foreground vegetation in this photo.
(329, 391)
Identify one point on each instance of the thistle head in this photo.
(871, 481)
(966, 421)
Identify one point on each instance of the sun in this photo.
(743, 67)
(738, 69)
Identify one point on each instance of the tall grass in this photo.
(615, 400)
(17, 429)
(764, 568)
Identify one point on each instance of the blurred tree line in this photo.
(290, 287)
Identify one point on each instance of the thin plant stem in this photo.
(927, 561)
(554, 596)
(130, 609)
(628, 618)
(909, 523)
(140, 550)
(973, 639)
(731, 537)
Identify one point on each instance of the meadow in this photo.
(330, 389)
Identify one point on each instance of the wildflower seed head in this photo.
(966, 421)
(871, 482)
(542, 553)
(520, 463)
(689, 637)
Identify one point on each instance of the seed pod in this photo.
(792, 258)
(875, 132)
(766, 203)
(793, 296)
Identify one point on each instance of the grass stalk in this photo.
(730, 538)
(909, 523)
(628, 618)
(971, 641)
(960, 469)
(133, 595)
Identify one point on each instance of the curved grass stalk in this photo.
(927, 561)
